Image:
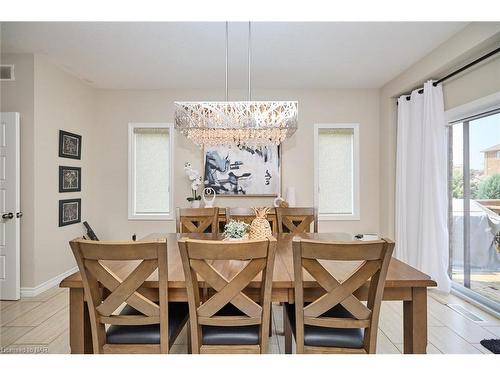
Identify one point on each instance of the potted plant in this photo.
(195, 178)
(236, 230)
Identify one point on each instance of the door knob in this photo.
(10, 215)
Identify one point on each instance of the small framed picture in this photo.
(70, 179)
(69, 211)
(70, 145)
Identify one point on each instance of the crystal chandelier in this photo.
(252, 123)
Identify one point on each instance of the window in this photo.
(336, 168)
(498, 154)
(150, 171)
(474, 198)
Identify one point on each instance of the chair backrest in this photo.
(374, 258)
(297, 219)
(198, 220)
(243, 261)
(245, 214)
(105, 291)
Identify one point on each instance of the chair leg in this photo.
(189, 347)
(288, 332)
(271, 320)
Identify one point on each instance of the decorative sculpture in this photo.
(207, 192)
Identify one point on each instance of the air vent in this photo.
(463, 311)
(6, 72)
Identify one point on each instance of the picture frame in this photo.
(255, 165)
(70, 211)
(70, 179)
(70, 145)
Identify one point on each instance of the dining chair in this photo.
(229, 321)
(198, 220)
(297, 219)
(337, 321)
(247, 214)
(147, 323)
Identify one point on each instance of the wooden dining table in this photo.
(404, 283)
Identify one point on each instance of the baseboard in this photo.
(33, 292)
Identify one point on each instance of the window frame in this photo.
(355, 215)
(131, 172)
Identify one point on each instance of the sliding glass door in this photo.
(474, 207)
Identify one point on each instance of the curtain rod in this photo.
(460, 70)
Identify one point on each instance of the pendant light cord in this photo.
(249, 61)
(227, 61)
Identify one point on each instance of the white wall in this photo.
(48, 100)
(470, 43)
(62, 102)
(18, 96)
(116, 108)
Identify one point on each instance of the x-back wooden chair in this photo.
(148, 323)
(247, 214)
(229, 321)
(198, 220)
(297, 219)
(337, 322)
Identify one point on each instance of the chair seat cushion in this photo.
(178, 313)
(329, 337)
(232, 335)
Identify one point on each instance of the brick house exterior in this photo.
(492, 160)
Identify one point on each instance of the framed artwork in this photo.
(70, 145)
(69, 211)
(243, 170)
(70, 179)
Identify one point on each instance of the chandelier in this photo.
(251, 123)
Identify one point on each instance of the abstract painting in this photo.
(70, 145)
(70, 179)
(243, 170)
(69, 211)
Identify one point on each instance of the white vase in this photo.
(195, 204)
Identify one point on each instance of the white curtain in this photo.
(421, 184)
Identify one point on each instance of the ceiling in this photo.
(191, 55)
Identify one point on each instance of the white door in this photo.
(10, 214)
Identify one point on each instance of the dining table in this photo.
(404, 283)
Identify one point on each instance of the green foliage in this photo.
(489, 188)
(457, 185)
(236, 229)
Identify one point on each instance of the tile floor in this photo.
(40, 325)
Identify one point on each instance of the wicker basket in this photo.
(260, 228)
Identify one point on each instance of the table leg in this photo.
(287, 328)
(80, 334)
(415, 322)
